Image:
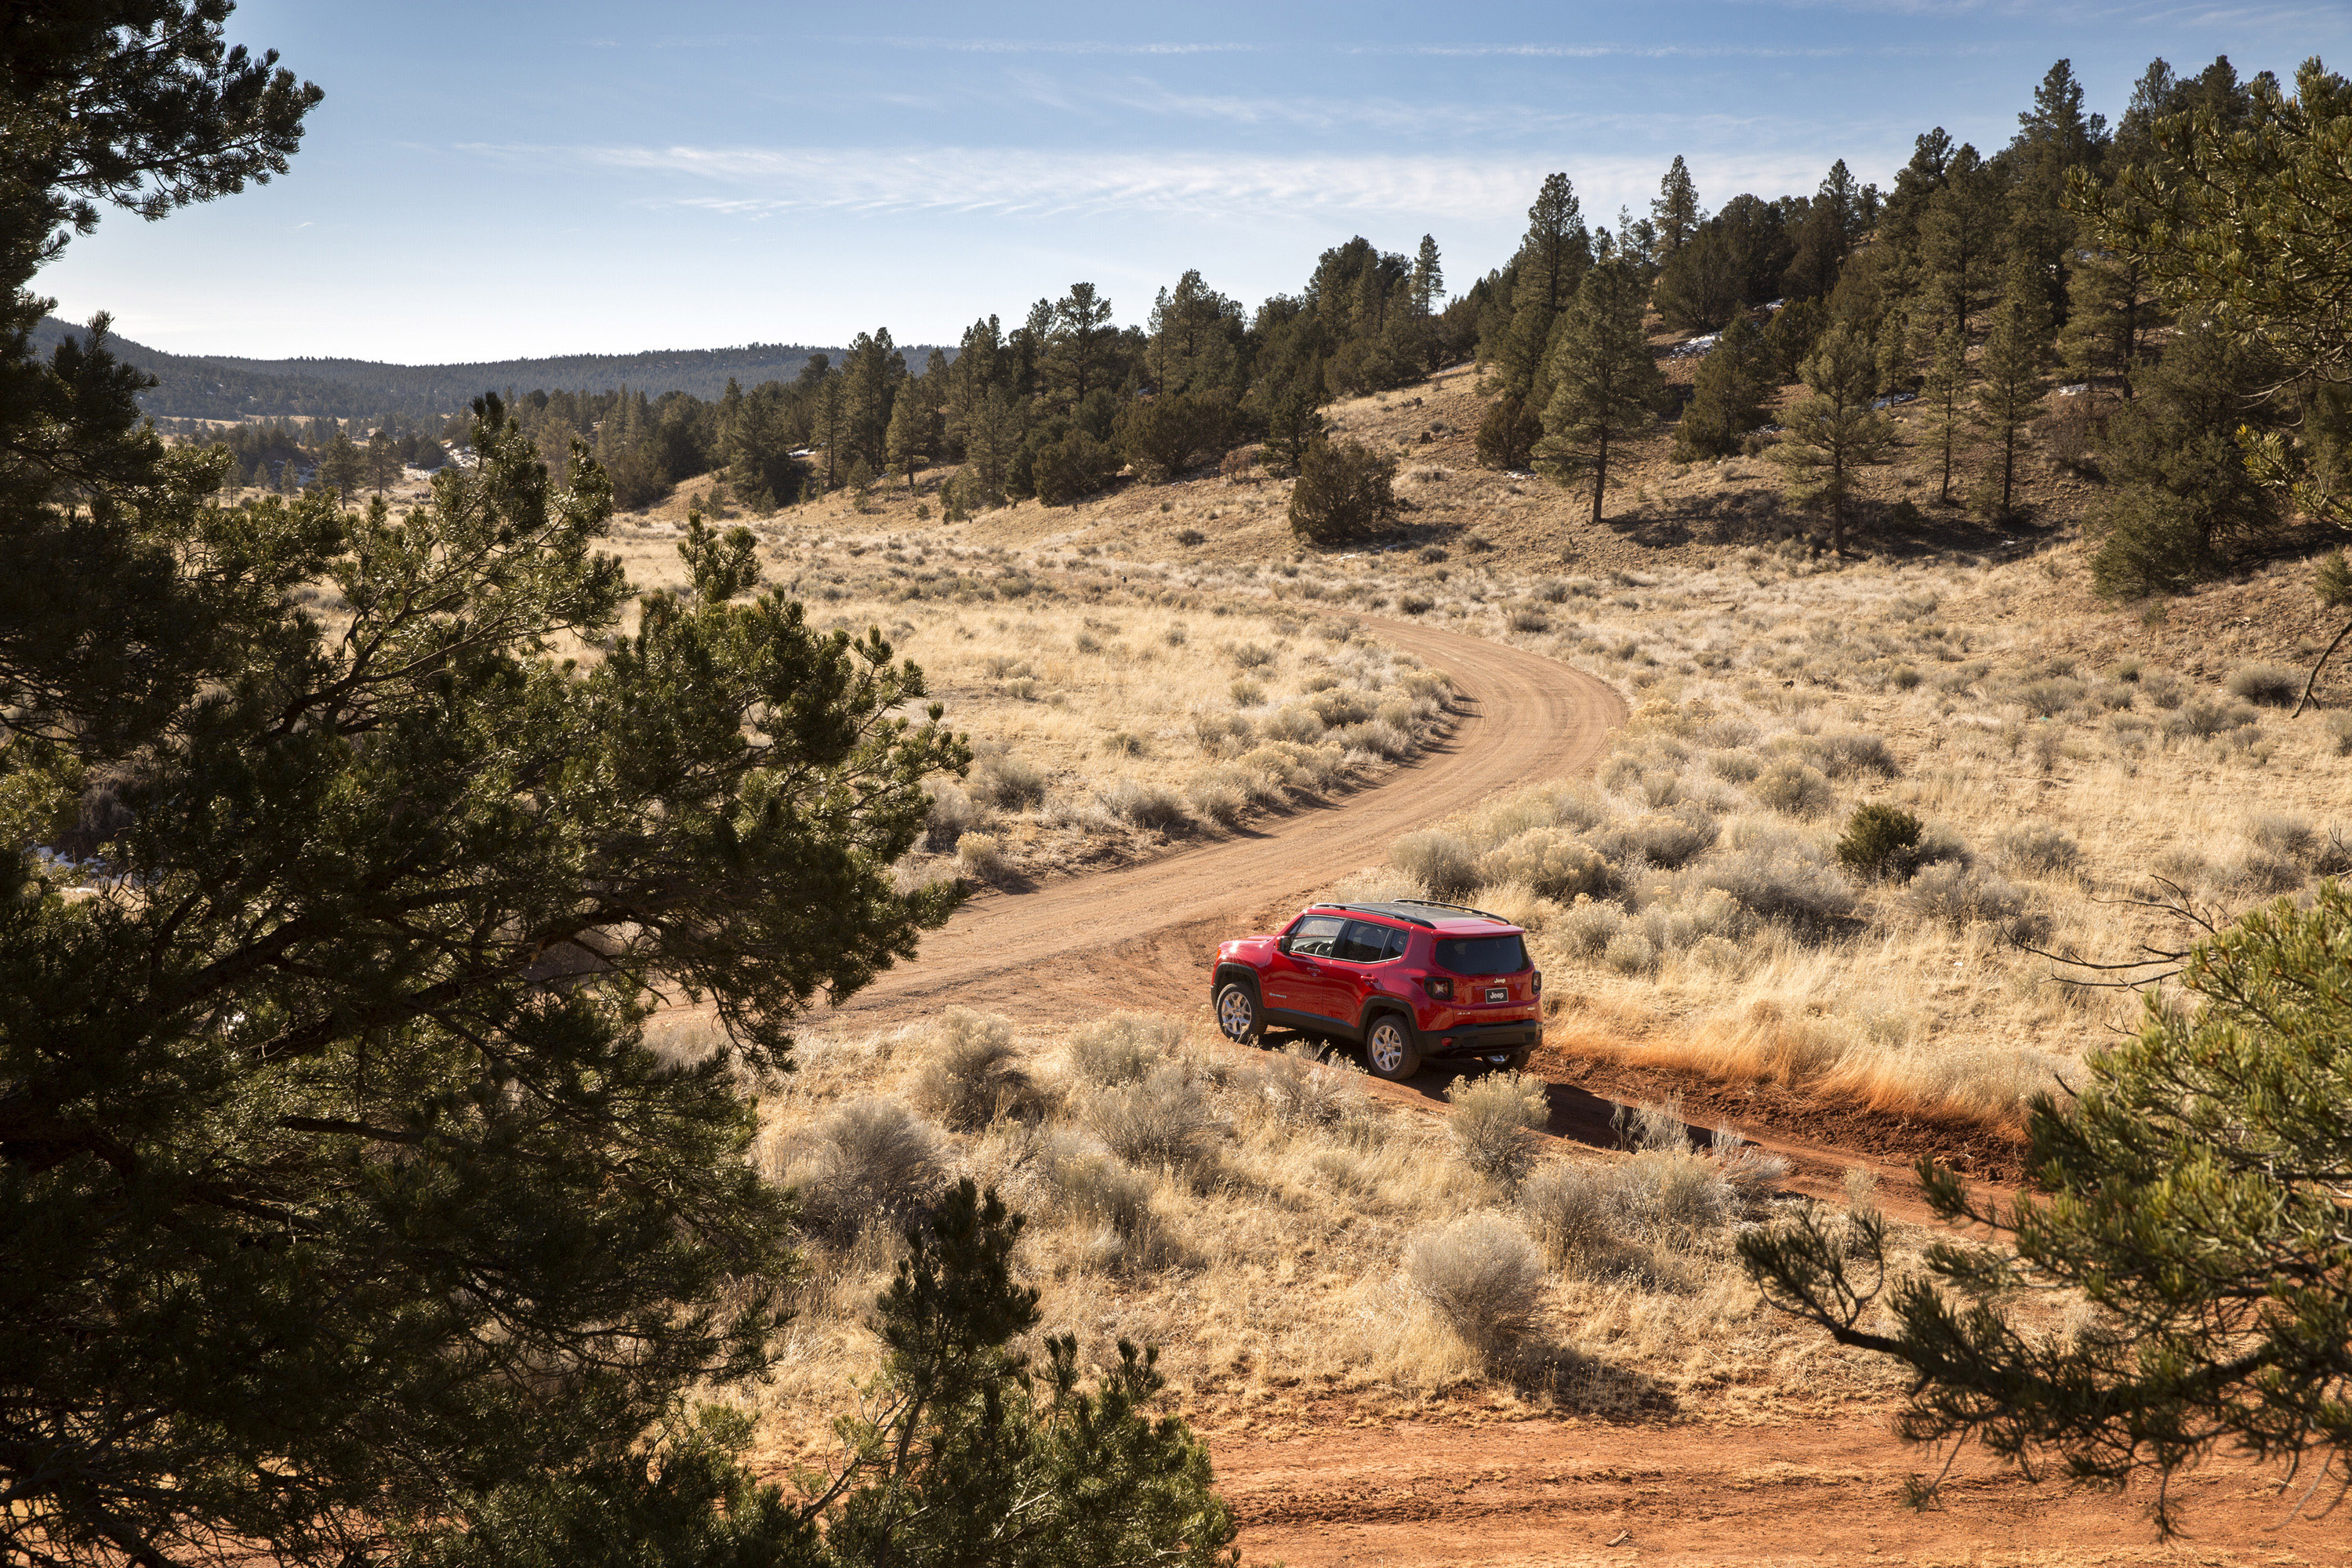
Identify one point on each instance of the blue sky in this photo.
(484, 182)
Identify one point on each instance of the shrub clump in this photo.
(1164, 1120)
(1344, 492)
(1962, 895)
(1552, 863)
(1152, 806)
(1441, 861)
(1793, 788)
(1881, 843)
(1006, 782)
(1493, 1116)
(974, 1074)
(1123, 1048)
(870, 1161)
(2267, 685)
(2037, 850)
(1481, 1275)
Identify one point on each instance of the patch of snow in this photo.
(1891, 399)
(2074, 389)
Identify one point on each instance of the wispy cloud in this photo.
(756, 182)
(1051, 45)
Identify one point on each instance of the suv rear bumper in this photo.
(1499, 1038)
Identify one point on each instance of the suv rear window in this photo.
(1483, 955)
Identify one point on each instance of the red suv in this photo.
(1409, 980)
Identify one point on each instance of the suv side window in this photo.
(1316, 936)
(1364, 942)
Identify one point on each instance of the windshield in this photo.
(1483, 955)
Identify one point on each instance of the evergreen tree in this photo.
(1676, 213)
(1835, 431)
(2109, 316)
(1344, 492)
(341, 463)
(1193, 330)
(1558, 248)
(1944, 395)
(1788, 340)
(1081, 339)
(1428, 285)
(909, 439)
(1734, 383)
(2011, 385)
(2193, 1193)
(1960, 238)
(1606, 384)
(383, 461)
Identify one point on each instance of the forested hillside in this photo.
(219, 387)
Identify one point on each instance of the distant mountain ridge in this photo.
(208, 386)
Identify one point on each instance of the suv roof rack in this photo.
(1389, 907)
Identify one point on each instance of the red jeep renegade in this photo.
(1409, 980)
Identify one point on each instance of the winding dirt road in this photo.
(1140, 934)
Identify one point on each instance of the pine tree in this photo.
(341, 463)
(910, 432)
(1944, 395)
(1728, 395)
(1606, 384)
(1557, 249)
(2193, 1189)
(1676, 213)
(2011, 385)
(1081, 339)
(1428, 283)
(1835, 431)
(1960, 236)
(2109, 316)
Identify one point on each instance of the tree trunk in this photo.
(1600, 475)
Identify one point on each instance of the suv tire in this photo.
(1389, 1049)
(1238, 1017)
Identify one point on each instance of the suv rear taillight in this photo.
(1534, 987)
(1437, 985)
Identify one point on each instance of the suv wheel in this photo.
(1237, 1014)
(1389, 1048)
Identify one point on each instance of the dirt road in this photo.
(1555, 1493)
(1139, 936)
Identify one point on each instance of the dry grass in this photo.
(1688, 904)
(1310, 1255)
(1111, 704)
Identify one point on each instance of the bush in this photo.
(1631, 952)
(870, 1161)
(2038, 849)
(2268, 685)
(1163, 1119)
(974, 1074)
(2151, 542)
(1880, 842)
(1493, 1116)
(1778, 882)
(1343, 492)
(1961, 894)
(1440, 861)
(1218, 796)
(1665, 839)
(1662, 1191)
(1094, 1187)
(1551, 862)
(1481, 1275)
(1753, 1175)
(1303, 1085)
(1152, 806)
(950, 818)
(1570, 1210)
(1168, 434)
(1415, 604)
(2202, 718)
(1793, 788)
(1073, 469)
(1509, 433)
(1123, 1048)
(2339, 731)
(1007, 782)
(981, 856)
(1852, 751)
